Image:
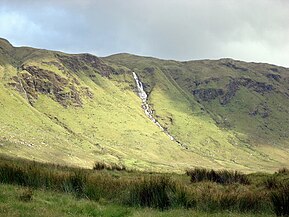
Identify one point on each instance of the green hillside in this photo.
(78, 109)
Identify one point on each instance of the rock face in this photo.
(262, 109)
(275, 77)
(56, 77)
(85, 62)
(226, 94)
(208, 94)
(234, 66)
(32, 81)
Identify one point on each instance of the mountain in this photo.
(77, 109)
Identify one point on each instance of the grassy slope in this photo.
(112, 125)
(193, 123)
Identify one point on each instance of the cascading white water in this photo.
(142, 94)
(23, 89)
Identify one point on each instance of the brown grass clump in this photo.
(26, 195)
(280, 200)
(222, 176)
(283, 170)
(208, 190)
(112, 166)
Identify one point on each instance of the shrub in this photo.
(283, 170)
(102, 166)
(77, 182)
(249, 201)
(153, 192)
(13, 174)
(271, 183)
(222, 177)
(227, 200)
(280, 200)
(183, 197)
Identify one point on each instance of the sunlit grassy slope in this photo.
(78, 109)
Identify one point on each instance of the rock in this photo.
(84, 62)
(274, 69)
(149, 70)
(275, 77)
(208, 94)
(33, 80)
(262, 109)
(225, 95)
(232, 88)
(233, 66)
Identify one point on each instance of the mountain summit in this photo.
(77, 109)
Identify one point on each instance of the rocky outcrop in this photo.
(230, 92)
(275, 77)
(226, 94)
(149, 70)
(234, 66)
(259, 87)
(208, 94)
(262, 110)
(33, 80)
(84, 62)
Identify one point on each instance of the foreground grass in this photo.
(50, 203)
(135, 193)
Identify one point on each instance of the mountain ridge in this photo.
(85, 108)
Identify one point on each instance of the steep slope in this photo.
(220, 109)
(75, 109)
(78, 109)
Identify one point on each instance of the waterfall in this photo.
(23, 89)
(148, 111)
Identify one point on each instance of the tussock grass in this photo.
(280, 200)
(222, 176)
(272, 182)
(283, 170)
(111, 166)
(152, 190)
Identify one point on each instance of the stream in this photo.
(148, 111)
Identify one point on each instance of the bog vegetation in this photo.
(198, 189)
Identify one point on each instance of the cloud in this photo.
(173, 29)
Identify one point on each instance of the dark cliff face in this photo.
(228, 92)
(53, 74)
(32, 81)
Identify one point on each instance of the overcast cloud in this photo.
(250, 30)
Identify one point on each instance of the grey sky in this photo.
(250, 30)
